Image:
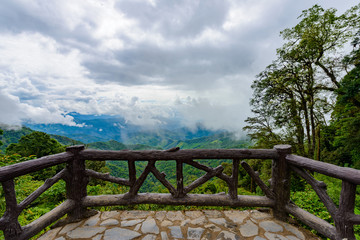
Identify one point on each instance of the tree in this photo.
(35, 143)
(346, 116)
(291, 96)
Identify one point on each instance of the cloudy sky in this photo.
(145, 60)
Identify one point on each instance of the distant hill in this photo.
(115, 133)
(223, 140)
(65, 140)
(159, 140)
(108, 145)
(93, 128)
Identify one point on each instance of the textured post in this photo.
(132, 172)
(12, 229)
(76, 183)
(179, 179)
(280, 183)
(234, 179)
(344, 228)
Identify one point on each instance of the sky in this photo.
(146, 60)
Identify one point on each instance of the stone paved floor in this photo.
(163, 225)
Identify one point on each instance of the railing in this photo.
(276, 197)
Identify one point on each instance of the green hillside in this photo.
(224, 140)
(65, 140)
(12, 136)
(108, 145)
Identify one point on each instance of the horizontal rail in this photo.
(190, 200)
(312, 221)
(19, 169)
(277, 197)
(36, 226)
(348, 174)
(186, 154)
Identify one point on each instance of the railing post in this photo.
(12, 226)
(76, 183)
(233, 191)
(179, 179)
(344, 228)
(280, 183)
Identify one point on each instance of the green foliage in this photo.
(14, 158)
(65, 140)
(109, 145)
(12, 136)
(36, 143)
(291, 96)
(346, 121)
(224, 140)
(309, 201)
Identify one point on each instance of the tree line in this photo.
(309, 96)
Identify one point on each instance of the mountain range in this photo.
(115, 133)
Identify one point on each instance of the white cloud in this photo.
(13, 112)
(138, 58)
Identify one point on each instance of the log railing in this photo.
(276, 197)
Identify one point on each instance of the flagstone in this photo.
(271, 226)
(120, 234)
(85, 232)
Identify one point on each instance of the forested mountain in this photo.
(217, 140)
(94, 128)
(224, 140)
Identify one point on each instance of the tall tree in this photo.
(296, 87)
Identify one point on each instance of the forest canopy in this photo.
(314, 77)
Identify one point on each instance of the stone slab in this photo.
(120, 234)
(85, 232)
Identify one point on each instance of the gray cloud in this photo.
(144, 60)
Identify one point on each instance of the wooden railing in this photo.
(276, 197)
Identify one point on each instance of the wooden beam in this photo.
(281, 181)
(320, 189)
(344, 227)
(189, 200)
(19, 169)
(312, 221)
(161, 177)
(348, 174)
(11, 228)
(42, 222)
(233, 186)
(76, 182)
(258, 181)
(138, 183)
(132, 171)
(355, 219)
(203, 179)
(48, 183)
(145, 155)
(179, 179)
(205, 168)
(107, 177)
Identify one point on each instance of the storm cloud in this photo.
(141, 59)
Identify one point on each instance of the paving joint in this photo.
(194, 225)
